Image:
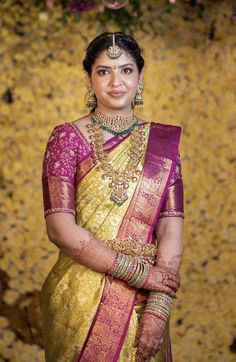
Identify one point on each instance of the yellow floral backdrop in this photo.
(189, 81)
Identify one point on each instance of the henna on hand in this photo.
(149, 337)
(92, 252)
(163, 280)
(172, 264)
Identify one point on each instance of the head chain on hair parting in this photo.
(114, 51)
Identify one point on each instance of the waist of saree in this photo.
(144, 252)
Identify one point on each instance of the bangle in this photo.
(131, 270)
(136, 274)
(115, 263)
(140, 281)
(159, 304)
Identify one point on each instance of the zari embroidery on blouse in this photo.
(64, 150)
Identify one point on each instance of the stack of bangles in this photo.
(136, 274)
(131, 270)
(159, 304)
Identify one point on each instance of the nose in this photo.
(115, 79)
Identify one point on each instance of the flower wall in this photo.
(189, 81)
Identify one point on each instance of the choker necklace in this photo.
(119, 180)
(117, 125)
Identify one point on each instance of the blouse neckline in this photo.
(105, 143)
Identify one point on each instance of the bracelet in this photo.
(141, 281)
(131, 270)
(115, 263)
(159, 304)
(136, 275)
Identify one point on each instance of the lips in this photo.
(116, 94)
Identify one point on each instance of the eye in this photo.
(127, 70)
(103, 72)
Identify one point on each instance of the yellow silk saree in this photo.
(90, 316)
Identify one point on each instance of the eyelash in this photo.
(101, 72)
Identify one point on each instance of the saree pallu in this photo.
(89, 316)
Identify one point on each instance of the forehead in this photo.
(124, 58)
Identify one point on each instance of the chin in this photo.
(118, 105)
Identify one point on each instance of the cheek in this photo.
(132, 85)
(99, 84)
(132, 80)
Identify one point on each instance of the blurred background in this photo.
(190, 80)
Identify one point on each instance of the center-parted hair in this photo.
(104, 41)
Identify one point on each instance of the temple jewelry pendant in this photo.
(119, 195)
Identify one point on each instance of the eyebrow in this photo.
(121, 66)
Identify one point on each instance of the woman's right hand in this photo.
(163, 279)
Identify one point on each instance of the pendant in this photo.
(119, 195)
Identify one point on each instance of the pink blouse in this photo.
(65, 148)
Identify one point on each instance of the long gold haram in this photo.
(119, 180)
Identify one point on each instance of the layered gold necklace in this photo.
(119, 180)
(117, 125)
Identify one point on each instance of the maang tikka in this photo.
(114, 51)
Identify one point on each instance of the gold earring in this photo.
(138, 99)
(91, 101)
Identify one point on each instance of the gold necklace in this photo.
(119, 180)
(117, 125)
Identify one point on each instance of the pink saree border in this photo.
(175, 154)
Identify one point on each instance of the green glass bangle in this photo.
(119, 266)
(135, 274)
(142, 277)
(116, 266)
(165, 314)
(123, 271)
(128, 268)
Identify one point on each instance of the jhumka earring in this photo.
(91, 101)
(138, 99)
(114, 51)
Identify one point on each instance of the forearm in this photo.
(79, 244)
(92, 252)
(170, 243)
(169, 233)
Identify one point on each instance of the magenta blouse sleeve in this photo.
(59, 169)
(173, 204)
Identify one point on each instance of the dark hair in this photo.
(104, 40)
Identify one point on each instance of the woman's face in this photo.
(114, 82)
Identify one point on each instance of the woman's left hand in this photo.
(149, 337)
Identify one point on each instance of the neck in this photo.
(115, 112)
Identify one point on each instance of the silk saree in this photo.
(90, 316)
